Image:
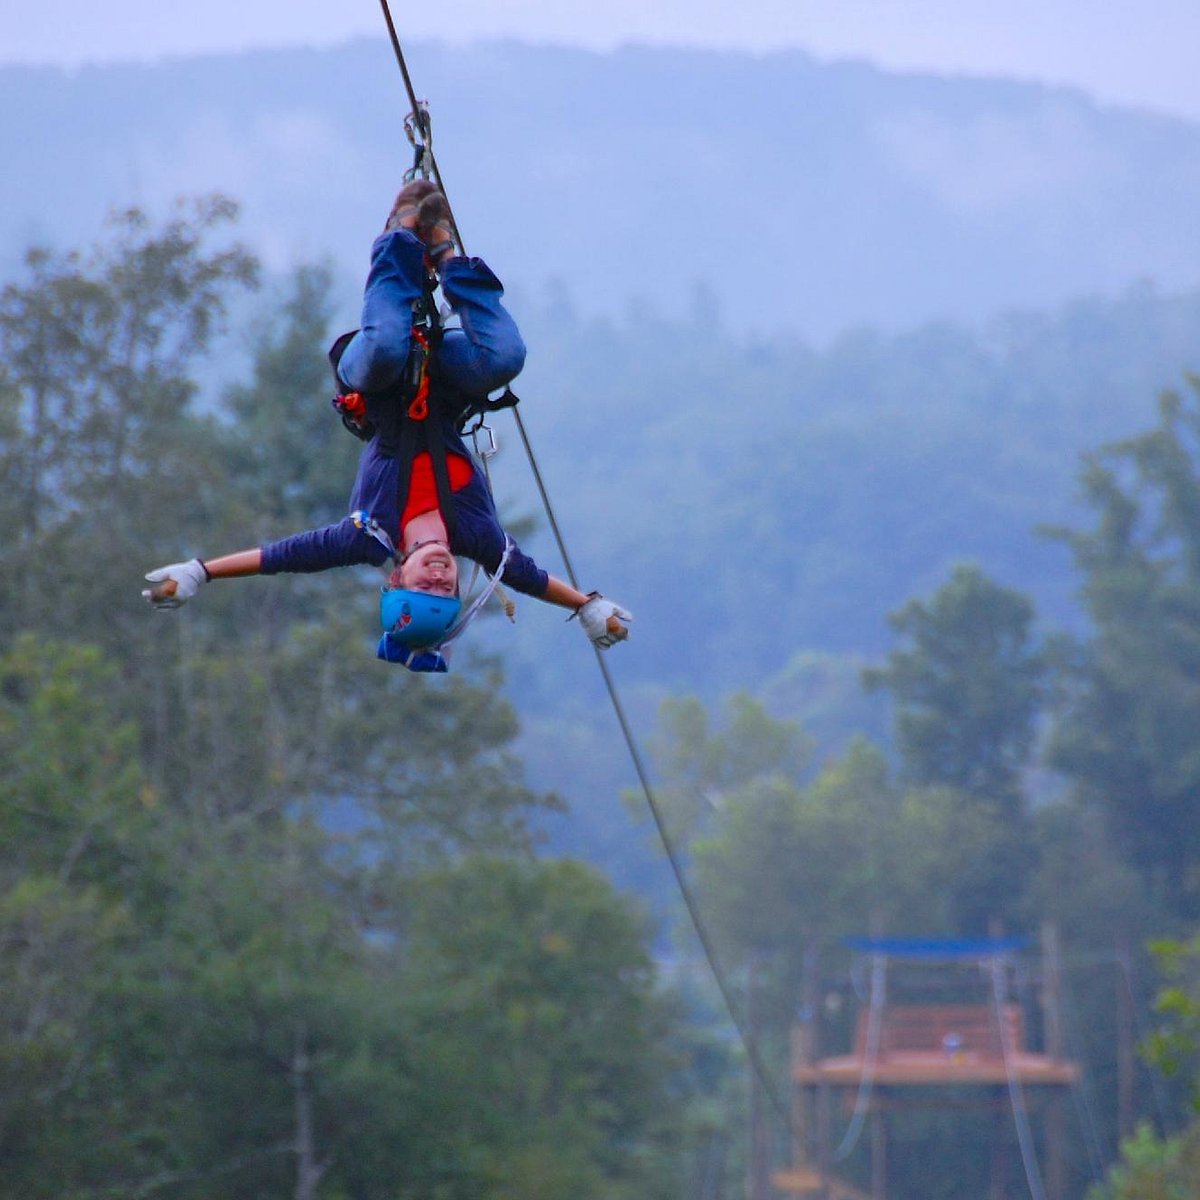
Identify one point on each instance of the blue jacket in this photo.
(478, 358)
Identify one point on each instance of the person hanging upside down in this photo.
(420, 498)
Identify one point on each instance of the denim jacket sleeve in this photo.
(345, 544)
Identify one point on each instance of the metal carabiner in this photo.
(492, 448)
(418, 128)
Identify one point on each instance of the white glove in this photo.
(601, 620)
(175, 584)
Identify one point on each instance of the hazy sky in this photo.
(1137, 52)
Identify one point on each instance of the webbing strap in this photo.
(416, 436)
(485, 593)
(441, 478)
(422, 430)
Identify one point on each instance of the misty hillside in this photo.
(802, 337)
(659, 215)
(809, 197)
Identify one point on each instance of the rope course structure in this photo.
(419, 128)
(931, 1037)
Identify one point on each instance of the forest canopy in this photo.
(274, 914)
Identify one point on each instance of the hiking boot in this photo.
(407, 203)
(435, 227)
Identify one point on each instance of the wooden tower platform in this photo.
(929, 1055)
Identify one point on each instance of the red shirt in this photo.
(422, 489)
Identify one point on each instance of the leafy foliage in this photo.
(1128, 734)
(240, 862)
(1175, 1045)
(268, 909)
(965, 688)
(549, 1056)
(1154, 1169)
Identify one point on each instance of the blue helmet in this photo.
(416, 619)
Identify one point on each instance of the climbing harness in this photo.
(753, 1053)
(470, 415)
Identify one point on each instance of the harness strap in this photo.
(472, 609)
(364, 521)
(402, 423)
(417, 435)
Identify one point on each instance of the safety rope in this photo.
(1081, 1092)
(685, 890)
(1033, 1176)
(870, 1055)
(474, 604)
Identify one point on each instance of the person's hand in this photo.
(176, 584)
(601, 620)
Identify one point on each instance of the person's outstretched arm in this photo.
(347, 543)
(175, 585)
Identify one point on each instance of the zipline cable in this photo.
(698, 923)
(685, 890)
(420, 116)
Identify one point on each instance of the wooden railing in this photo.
(954, 1030)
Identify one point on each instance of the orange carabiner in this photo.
(418, 408)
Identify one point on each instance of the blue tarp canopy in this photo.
(941, 949)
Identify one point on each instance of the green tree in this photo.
(288, 458)
(786, 865)
(1128, 733)
(539, 1035)
(74, 856)
(108, 458)
(700, 763)
(1175, 1046)
(1154, 1169)
(225, 963)
(966, 688)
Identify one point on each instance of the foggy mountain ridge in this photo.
(819, 197)
(853, 476)
(764, 205)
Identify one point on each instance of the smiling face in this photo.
(430, 568)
